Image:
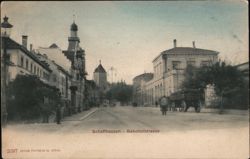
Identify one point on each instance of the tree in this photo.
(120, 92)
(229, 83)
(26, 97)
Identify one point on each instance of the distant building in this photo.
(169, 68)
(100, 77)
(244, 68)
(139, 87)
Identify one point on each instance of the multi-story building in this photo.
(169, 68)
(61, 79)
(24, 61)
(139, 87)
(77, 57)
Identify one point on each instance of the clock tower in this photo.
(77, 57)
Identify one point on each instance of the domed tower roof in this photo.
(73, 27)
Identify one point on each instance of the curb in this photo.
(87, 115)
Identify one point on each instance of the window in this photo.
(191, 63)
(176, 64)
(54, 78)
(31, 67)
(37, 71)
(34, 69)
(45, 76)
(204, 63)
(27, 64)
(63, 81)
(21, 61)
(62, 91)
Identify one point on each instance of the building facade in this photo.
(169, 67)
(139, 87)
(24, 61)
(53, 52)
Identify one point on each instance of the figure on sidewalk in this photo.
(58, 114)
(164, 105)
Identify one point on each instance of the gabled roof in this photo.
(187, 50)
(100, 69)
(11, 44)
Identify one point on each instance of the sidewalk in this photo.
(203, 110)
(80, 116)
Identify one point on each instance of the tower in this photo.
(77, 57)
(100, 77)
(75, 53)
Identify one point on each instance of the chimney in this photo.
(31, 47)
(24, 40)
(194, 44)
(175, 43)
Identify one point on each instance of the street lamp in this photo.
(5, 27)
(5, 33)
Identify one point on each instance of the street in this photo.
(103, 132)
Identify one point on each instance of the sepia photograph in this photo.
(125, 79)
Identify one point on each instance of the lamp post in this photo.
(5, 33)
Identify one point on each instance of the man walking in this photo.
(164, 105)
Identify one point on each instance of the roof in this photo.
(11, 44)
(100, 69)
(63, 70)
(187, 50)
(145, 76)
(73, 27)
(53, 46)
(245, 63)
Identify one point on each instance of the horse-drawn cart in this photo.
(184, 99)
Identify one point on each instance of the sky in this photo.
(128, 35)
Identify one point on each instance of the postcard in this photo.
(124, 79)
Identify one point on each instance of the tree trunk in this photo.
(221, 105)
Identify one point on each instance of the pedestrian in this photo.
(58, 114)
(156, 103)
(164, 105)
